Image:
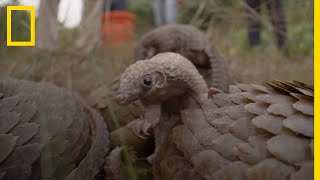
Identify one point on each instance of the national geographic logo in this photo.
(32, 11)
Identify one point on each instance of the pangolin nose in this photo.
(120, 98)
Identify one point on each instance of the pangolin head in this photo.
(139, 81)
(161, 78)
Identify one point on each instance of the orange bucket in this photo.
(118, 27)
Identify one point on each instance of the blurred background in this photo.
(84, 44)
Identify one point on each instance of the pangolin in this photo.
(258, 131)
(47, 132)
(184, 39)
(191, 43)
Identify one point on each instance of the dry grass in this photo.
(263, 63)
(67, 69)
(84, 74)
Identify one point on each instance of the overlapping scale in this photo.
(47, 132)
(259, 131)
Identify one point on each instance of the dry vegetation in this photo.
(226, 28)
(264, 63)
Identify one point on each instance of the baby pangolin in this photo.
(154, 81)
(164, 84)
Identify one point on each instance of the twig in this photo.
(12, 67)
(198, 12)
(210, 28)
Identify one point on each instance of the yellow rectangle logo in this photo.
(32, 25)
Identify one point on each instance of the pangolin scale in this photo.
(47, 132)
(257, 131)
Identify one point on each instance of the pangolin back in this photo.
(47, 132)
(258, 131)
(190, 42)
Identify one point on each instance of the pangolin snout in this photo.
(121, 99)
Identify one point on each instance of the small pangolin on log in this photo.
(47, 132)
(191, 43)
(258, 131)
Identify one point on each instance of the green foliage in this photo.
(144, 12)
(300, 26)
(188, 10)
(214, 10)
(302, 38)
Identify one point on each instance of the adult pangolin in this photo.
(47, 132)
(258, 131)
(191, 43)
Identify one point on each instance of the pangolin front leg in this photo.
(150, 120)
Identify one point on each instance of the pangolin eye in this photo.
(147, 81)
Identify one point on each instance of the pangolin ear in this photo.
(151, 52)
(202, 58)
(160, 79)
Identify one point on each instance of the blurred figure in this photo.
(165, 11)
(119, 5)
(118, 23)
(277, 19)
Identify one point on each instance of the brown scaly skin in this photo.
(259, 131)
(167, 71)
(171, 75)
(173, 79)
(191, 43)
(48, 132)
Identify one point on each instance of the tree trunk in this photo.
(47, 25)
(89, 29)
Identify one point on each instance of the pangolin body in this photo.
(255, 132)
(258, 131)
(47, 132)
(191, 43)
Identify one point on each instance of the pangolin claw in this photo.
(141, 128)
(212, 91)
(151, 158)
